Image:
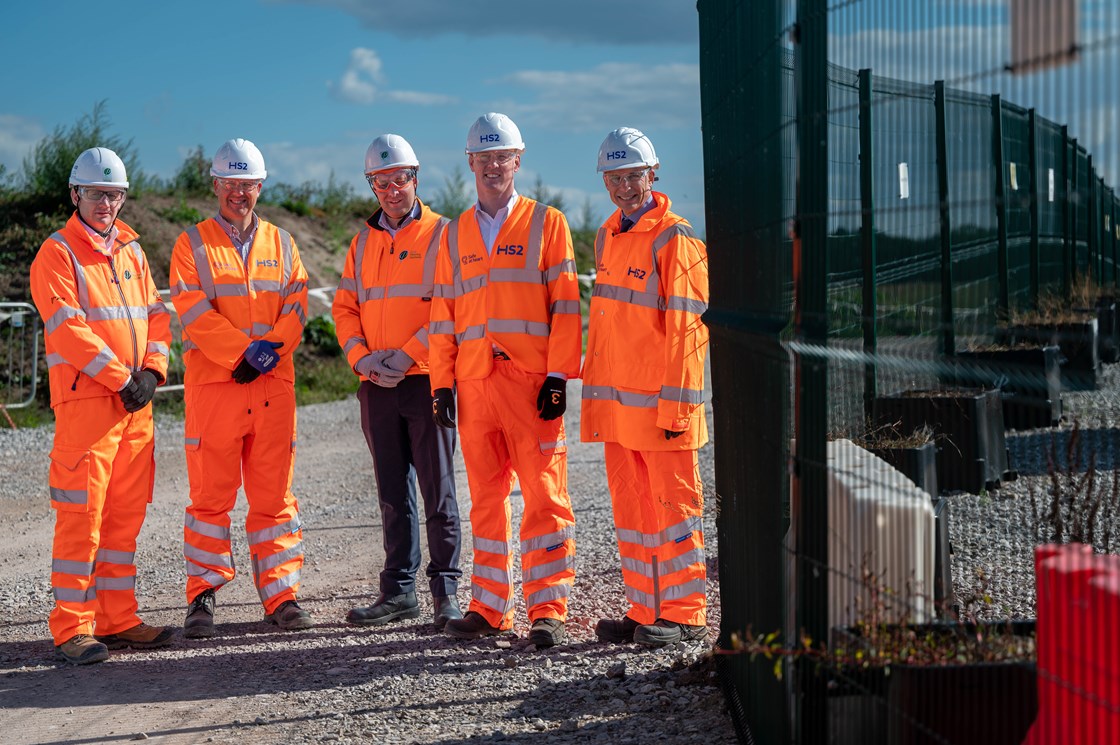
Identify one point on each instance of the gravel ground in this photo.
(404, 683)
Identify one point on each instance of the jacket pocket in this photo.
(69, 478)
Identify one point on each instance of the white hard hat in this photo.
(99, 166)
(626, 147)
(390, 151)
(238, 158)
(494, 132)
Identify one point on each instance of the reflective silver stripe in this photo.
(683, 590)
(681, 395)
(201, 263)
(565, 307)
(536, 236)
(626, 398)
(281, 557)
(108, 556)
(79, 272)
(548, 541)
(157, 347)
(686, 304)
(640, 598)
(681, 229)
(69, 496)
(293, 288)
(54, 358)
(210, 530)
(548, 594)
(422, 336)
(491, 547)
(158, 309)
(359, 255)
(296, 308)
(77, 568)
(447, 291)
(61, 316)
(371, 293)
(116, 583)
(464, 287)
(117, 313)
(181, 286)
(600, 243)
(409, 291)
(228, 290)
(260, 329)
(567, 266)
(653, 540)
(209, 558)
(352, 342)
(192, 313)
(277, 586)
(191, 440)
(550, 569)
(271, 534)
(637, 566)
(70, 595)
(524, 276)
(99, 362)
(348, 284)
(453, 253)
(685, 560)
(428, 276)
(286, 254)
(490, 600)
(626, 295)
(494, 574)
(517, 326)
(554, 445)
(208, 576)
(441, 327)
(267, 285)
(472, 333)
(189, 345)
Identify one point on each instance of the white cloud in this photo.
(653, 22)
(665, 96)
(363, 80)
(18, 135)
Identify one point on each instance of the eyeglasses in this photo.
(501, 158)
(238, 185)
(382, 182)
(631, 179)
(96, 195)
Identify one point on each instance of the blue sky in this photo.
(311, 83)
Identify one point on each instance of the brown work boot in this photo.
(616, 631)
(290, 617)
(81, 650)
(140, 636)
(471, 626)
(547, 632)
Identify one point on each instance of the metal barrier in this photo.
(19, 351)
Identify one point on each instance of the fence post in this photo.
(1003, 299)
(949, 341)
(1075, 195)
(1092, 239)
(1032, 166)
(867, 241)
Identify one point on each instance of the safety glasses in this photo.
(90, 194)
(385, 181)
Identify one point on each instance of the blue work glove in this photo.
(260, 357)
(553, 398)
(138, 392)
(443, 407)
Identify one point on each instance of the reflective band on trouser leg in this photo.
(272, 525)
(490, 478)
(658, 504)
(539, 455)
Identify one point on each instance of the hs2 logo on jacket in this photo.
(268, 262)
(510, 250)
(635, 272)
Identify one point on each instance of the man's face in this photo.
(494, 170)
(236, 197)
(629, 187)
(395, 190)
(98, 206)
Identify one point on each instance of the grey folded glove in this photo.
(373, 367)
(398, 360)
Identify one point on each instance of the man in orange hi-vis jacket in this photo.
(381, 313)
(506, 330)
(107, 338)
(241, 293)
(643, 396)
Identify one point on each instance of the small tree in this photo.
(543, 194)
(454, 197)
(193, 177)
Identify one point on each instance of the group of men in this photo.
(470, 325)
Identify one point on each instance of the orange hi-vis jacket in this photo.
(523, 298)
(644, 368)
(102, 314)
(225, 303)
(384, 299)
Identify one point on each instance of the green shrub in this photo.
(454, 197)
(182, 214)
(193, 177)
(319, 333)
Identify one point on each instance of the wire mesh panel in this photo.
(1018, 192)
(1050, 191)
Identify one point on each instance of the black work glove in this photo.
(443, 407)
(139, 391)
(553, 398)
(671, 435)
(245, 372)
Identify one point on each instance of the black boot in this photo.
(446, 609)
(385, 609)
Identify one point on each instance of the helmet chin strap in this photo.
(103, 233)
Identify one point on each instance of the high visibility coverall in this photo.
(384, 301)
(233, 432)
(644, 374)
(500, 322)
(103, 319)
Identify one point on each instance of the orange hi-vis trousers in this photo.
(101, 473)
(658, 506)
(235, 432)
(501, 436)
